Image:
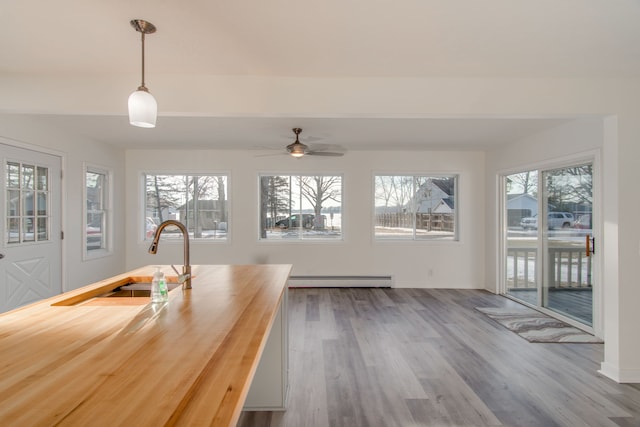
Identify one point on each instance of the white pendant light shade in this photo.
(143, 109)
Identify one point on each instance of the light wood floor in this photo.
(416, 357)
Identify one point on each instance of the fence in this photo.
(423, 221)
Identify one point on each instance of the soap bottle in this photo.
(164, 290)
(156, 293)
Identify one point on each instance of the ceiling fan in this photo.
(298, 149)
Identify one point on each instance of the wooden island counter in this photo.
(86, 360)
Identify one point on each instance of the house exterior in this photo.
(432, 192)
(520, 206)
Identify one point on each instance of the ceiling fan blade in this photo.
(324, 153)
(271, 154)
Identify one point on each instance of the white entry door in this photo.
(30, 251)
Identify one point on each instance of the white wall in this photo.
(412, 264)
(75, 151)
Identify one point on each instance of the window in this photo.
(197, 201)
(97, 196)
(300, 207)
(415, 207)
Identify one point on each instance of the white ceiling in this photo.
(358, 38)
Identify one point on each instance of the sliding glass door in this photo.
(549, 240)
(567, 285)
(522, 238)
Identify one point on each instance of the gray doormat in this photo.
(537, 327)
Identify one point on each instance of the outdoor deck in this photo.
(571, 302)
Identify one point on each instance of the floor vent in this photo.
(340, 282)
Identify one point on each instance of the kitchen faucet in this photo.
(185, 277)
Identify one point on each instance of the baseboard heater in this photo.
(340, 281)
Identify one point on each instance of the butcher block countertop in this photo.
(78, 359)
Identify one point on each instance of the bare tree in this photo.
(402, 188)
(162, 193)
(319, 189)
(524, 183)
(571, 187)
(383, 189)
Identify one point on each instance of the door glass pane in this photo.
(27, 203)
(522, 236)
(13, 230)
(13, 202)
(42, 229)
(13, 175)
(43, 178)
(567, 282)
(28, 172)
(28, 234)
(42, 203)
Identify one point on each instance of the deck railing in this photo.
(569, 267)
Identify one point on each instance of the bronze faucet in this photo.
(185, 277)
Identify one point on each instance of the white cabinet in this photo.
(269, 387)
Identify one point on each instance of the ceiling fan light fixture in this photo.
(297, 149)
(143, 108)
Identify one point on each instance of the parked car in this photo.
(554, 220)
(294, 221)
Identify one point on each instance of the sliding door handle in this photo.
(590, 245)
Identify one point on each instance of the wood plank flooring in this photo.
(418, 357)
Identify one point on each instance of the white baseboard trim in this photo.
(340, 281)
(619, 375)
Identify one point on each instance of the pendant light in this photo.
(143, 108)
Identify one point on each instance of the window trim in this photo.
(413, 240)
(299, 240)
(108, 234)
(142, 205)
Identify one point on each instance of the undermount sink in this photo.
(134, 290)
(127, 291)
